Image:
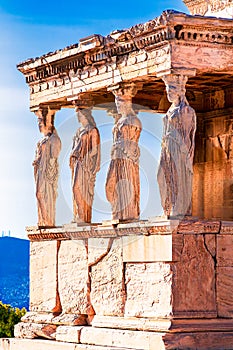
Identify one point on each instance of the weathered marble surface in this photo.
(50, 318)
(147, 248)
(43, 276)
(212, 186)
(34, 330)
(73, 276)
(68, 334)
(148, 290)
(118, 338)
(212, 340)
(194, 293)
(185, 300)
(215, 8)
(107, 278)
(224, 296)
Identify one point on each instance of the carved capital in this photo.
(123, 97)
(125, 91)
(179, 80)
(82, 100)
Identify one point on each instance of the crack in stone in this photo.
(90, 308)
(57, 310)
(206, 246)
(102, 256)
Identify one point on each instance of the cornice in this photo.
(97, 50)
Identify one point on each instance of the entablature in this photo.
(142, 54)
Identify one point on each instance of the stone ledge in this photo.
(96, 231)
(137, 340)
(49, 318)
(193, 226)
(226, 227)
(164, 325)
(140, 228)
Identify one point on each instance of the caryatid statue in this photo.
(84, 164)
(175, 171)
(46, 168)
(123, 183)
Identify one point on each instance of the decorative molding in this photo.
(190, 226)
(87, 58)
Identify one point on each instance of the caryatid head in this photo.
(45, 120)
(85, 117)
(175, 87)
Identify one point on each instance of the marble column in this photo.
(46, 167)
(175, 173)
(84, 161)
(123, 184)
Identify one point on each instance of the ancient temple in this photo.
(156, 284)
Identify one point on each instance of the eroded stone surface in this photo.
(224, 250)
(224, 288)
(35, 344)
(107, 278)
(72, 276)
(36, 317)
(68, 334)
(212, 190)
(148, 290)
(34, 330)
(39, 344)
(198, 340)
(147, 248)
(49, 318)
(216, 8)
(124, 338)
(43, 278)
(194, 280)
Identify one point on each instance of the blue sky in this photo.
(30, 29)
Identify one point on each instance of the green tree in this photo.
(9, 316)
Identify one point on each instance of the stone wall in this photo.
(133, 286)
(213, 168)
(180, 273)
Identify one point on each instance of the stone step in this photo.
(91, 338)
(164, 325)
(39, 344)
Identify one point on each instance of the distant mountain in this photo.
(14, 271)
